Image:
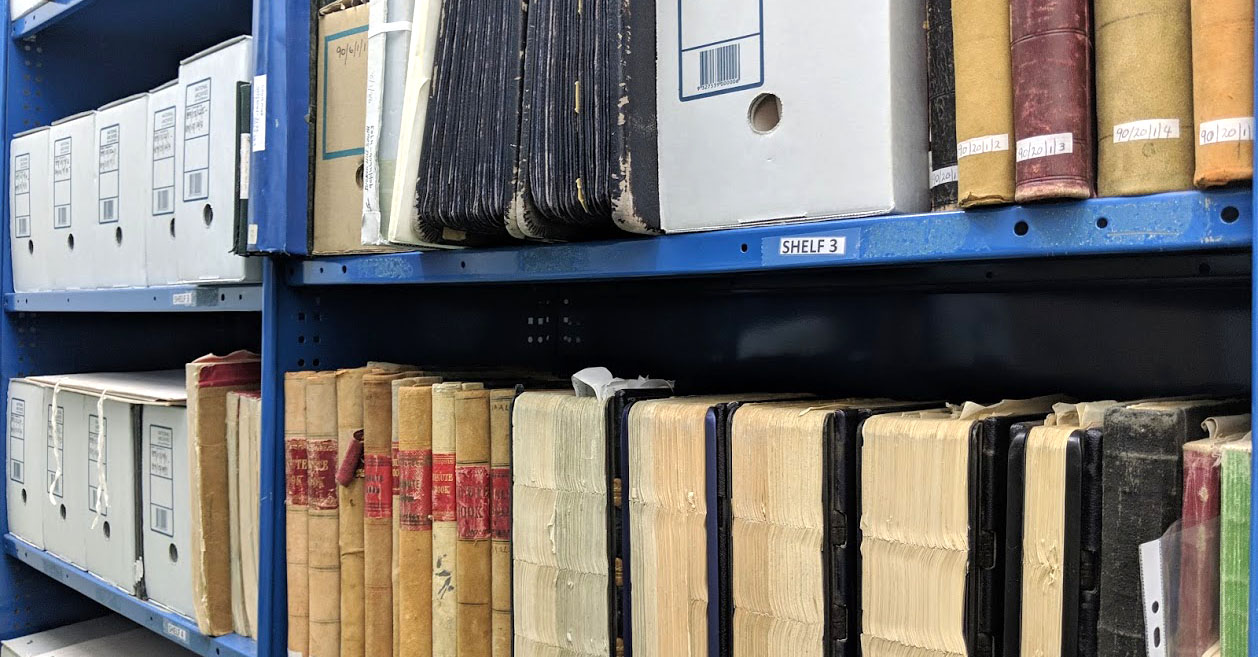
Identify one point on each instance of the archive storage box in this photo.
(27, 485)
(30, 210)
(114, 242)
(73, 155)
(162, 183)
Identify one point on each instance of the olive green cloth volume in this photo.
(1144, 96)
(1234, 549)
(1223, 90)
(984, 76)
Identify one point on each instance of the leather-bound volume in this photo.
(296, 502)
(378, 512)
(1143, 96)
(472, 510)
(1052, 93)
(1223, 90)
(324, 557)
(500, 403)
(349, 426)
(984, 107)
(1235, 487)
(395, 447)
(941, 91)
(445, 614)
(414, 461)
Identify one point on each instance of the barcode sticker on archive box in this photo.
(22, 195)
(17, 440)
(196, 140)
(721, 47)
(61, 182)
(107, 174)
(162, 480)
(164, 161)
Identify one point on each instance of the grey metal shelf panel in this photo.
(174, 298)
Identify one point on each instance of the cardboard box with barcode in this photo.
(117, 408)
(162, 183)
(64, 492)
(340, 123)
(209, 145)
(769, 112)
(26, 475)
(114, 241)
(30, 209)
(72, 149)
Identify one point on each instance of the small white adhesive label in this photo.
(943, 176)
(175, 632)
(1033, 148)
(1146, 130)
(253, 234)
(183, 299)
(244, 166)
(1151, 586)
(811, 246)
(980, 145)
(259, 113)
(1227, 130)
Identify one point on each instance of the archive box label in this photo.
(721, 47)
(162, 480)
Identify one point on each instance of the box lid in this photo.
(215, 48)
(124, 101)
(31, 131)
(162, 387)
(75, 117)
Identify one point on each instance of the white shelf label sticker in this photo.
(811, 246)
(259, 113)
(1227, 130)
(175, 632)
(980, 145)
(1034, 148)
(943, 176)
(183, 299)
(1146, 130)
(253, 234)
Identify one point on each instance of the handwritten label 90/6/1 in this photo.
(812, 246)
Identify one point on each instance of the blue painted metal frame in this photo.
(174, 298)
(170, 625)
(45, 16)
(1183, 221)
(1253, 464)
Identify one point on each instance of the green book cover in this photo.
(1234, 546)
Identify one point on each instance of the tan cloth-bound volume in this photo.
(984, 74)
(473, 552)
(414, 460)
(248, 529)
(444, 519)
(239, 623)
(378, 511)
(1144, 96)
(323, 524)
(1223, 90)
(397, 386)
(296, 501)
(500, 402)
(209, 379)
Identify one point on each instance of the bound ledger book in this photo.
(296, 503)
(323, 524)
(1223, 90)
(398, 385)
(569, 513)
(984, 86)
(788, 490)
(1053, 533)
(1234, 548)
(942, 97)
(244, 458)
(414, 460)
(1144, 96)
(932, 517)
(500, 403)
(445, 607)
(1197, 626)
(1052, 91)
(1140, 498)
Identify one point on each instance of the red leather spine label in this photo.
(500, 490)
(443, 487)
(415, 489)
(321, 461)
(472, 500)
(297, 488)
(379, 488)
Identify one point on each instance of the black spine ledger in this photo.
(244, 124)
(635, 178)
(941, 92)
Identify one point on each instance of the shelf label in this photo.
(1227, 130)
(188, 299)
(830, 245)
(259, 113)
(1146, 130)
(174, 631)
(1034, 148)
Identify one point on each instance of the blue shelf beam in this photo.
(46, 15)
(172, 626)
(175, 298)
(1184, 221)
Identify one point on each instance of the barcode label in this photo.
(61, 192)
(17, 440)
(16, 475)
(195, 183)
(108, 211)
(1227, 130)
(107, 173)
(161, 201)
(22, 195)
(161, 488)
(62, 220)
(196, 140)
(22, 227)
(161, 520)
(719, 67)
(164, 161)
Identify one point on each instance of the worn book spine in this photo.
(1197, 622)
(414, 590)
(444, 521)
(295, 507)
(396, 518)
(349, 425)
(1234, 549)
(473, 551)
(323, 524)
(250, 482)
(234, 437)
(378, 514)
(500, 403)
(1144, 96)
(1223, 90)
(984, 102)
(941, 91)
(1052, 90)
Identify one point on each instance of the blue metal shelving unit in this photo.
(174, 298)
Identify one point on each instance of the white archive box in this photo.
(789, 111)
(30, 204)
(27, 489)
(205, 217)
(115, 241)
(65, 491)
(45, 644)
(163, 184)
(72, 142)
(167, 507)
(20, 8)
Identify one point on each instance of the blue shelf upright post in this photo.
(1253, 373)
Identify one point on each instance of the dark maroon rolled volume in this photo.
(942, 92)
(1052, 99)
